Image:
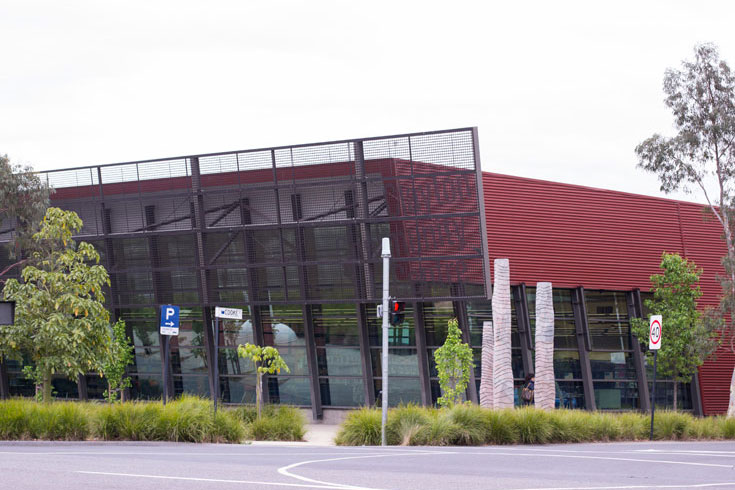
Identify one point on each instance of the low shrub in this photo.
(279, 423)
(534, 426)
(501, 427)
(13, 419)
(404, 424)
(360, 428)
(60, 421)
(672, 425)
(727, 427)
(572, 426)
(706, 428)
(440, 430)
(132, 421)
(472, 427)
(189, 419)
(633, 426)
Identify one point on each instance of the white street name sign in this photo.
(231, 313)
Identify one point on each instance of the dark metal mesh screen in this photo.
(291, 224)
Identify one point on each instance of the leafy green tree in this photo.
(116, 361)
(701, 156)
(688, 339)
(23, 202)
(267, 361)
(60, 319)
(453, 363)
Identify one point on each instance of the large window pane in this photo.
(148, 360)
(665, 394)
(566, 365)
(399, 335)
(193, 385)
(436, 319)
(619, 395)
(339, 361)
(344, 392)
(612, 365)
(569, 394)
(335, 324)
(289, 391)
(607, 317)
(400, 391)
(238, 389)
(401, 362)
(146, 386)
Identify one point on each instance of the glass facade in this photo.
(292, 236)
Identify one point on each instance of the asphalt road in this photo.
(142, 466)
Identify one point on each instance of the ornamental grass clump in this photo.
(501, 427)
(132, 421)
(13, 419)
(534, 426)
(405, 424)
(283, 423)
(360, 428)
(672, 425)
(472, 427)
(440, 430)
(571, 426)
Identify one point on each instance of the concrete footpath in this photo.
(316, 435)
(321, 434)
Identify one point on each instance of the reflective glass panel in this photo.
(342, 392)
(619, 395)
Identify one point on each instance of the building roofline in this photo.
(592, 188)
(269, 148)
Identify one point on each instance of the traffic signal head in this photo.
(397, 314)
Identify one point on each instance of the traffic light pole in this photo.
(386, 325)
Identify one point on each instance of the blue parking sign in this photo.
(169, 320)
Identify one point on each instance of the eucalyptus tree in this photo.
(23, 201)
(701, 156)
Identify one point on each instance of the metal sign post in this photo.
(654, 344)
(386, 325)
(168, 326)
(220, 312)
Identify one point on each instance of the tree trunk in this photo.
(259, 392)
(544, 386)
(46, 388)
(502, 361)
(486, 366)
(676, 392)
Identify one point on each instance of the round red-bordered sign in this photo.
(655, 333)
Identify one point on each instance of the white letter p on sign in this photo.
(169, 313)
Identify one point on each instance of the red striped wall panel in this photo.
(580, 236)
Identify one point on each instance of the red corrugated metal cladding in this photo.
(600, 239)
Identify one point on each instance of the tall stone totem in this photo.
(544, 387)
(502, 366)
(486, 366)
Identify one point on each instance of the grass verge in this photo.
(187, 419)
(471, 425)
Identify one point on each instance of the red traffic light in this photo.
(396, 312)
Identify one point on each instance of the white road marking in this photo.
(212, 480)
(610, 458)
(284, 470)
(693, 485)
(157, 453)
(683, 451)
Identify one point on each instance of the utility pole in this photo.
(386, 325)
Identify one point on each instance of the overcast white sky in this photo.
(560, 90)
